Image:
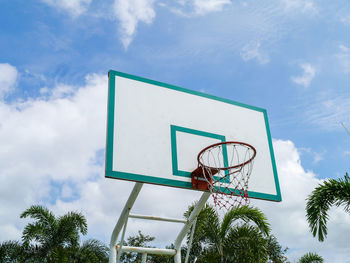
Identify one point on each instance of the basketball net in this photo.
(224, 169)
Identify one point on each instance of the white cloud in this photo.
(130, 13)
(304, 6)
(202, 7)
(288, 218)
(48, 141)
(317, 156)
(67, 191)
(195, 8)
(252, 51)
(329, 112)
(306, 77)
(343, 57)
(8, 78)
(73, 7)
(61, 90)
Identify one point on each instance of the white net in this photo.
(226, 167)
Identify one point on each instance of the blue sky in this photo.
(291, 57)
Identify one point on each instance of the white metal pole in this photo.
(119, 253)
(128, 205)
(190, 241)
(158, 218)
(198, 207)
(150, 250)
(144, 258)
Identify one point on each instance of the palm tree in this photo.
(14, 251)
(91, 251)
(234, 239)
(311, 258)
(10, 251)
(53, 239)
(275, 251)
(331, 192)
(51, 233)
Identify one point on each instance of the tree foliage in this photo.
(53, 239)
(276, 253)
(11, 251)
(141, 240)
(243, 235)
(311, 258)
(138, 240)
(330, 192)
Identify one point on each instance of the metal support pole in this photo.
(121, 221)
(122, 237)
(150, 250)
(144, 257)
(198, 207)
(190, 241)
(158, 218)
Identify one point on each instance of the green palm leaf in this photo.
(247, 214)
(311, 258)
(92, 251)
(69, 227)
(331, 192)
(40, 213)
(220, 241)
(53, 236)
(10, 251)
(245, 243)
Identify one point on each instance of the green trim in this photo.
(263, 196)
(169, 182)
(253, 194)
(272, 155)
(174, 152)
(148, 179)
(194, 92)
(110, 122)
(173, 130)
(176, 183)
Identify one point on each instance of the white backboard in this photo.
(155, 131)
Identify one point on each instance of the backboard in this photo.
(155, 132)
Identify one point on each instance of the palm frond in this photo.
(58, 254)
(14, 252)
(247, 214)
(245, 243)
(95, 249)
(331, 192)
(275, 251)
(10, 251)
(33, 232)
(69, 226)
(74, 219)
(207, 229)
(311, 258)
(40, 213)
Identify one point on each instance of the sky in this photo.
(290, 57)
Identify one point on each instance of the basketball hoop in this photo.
(224, 169)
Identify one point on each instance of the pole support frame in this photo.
(116, 250)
